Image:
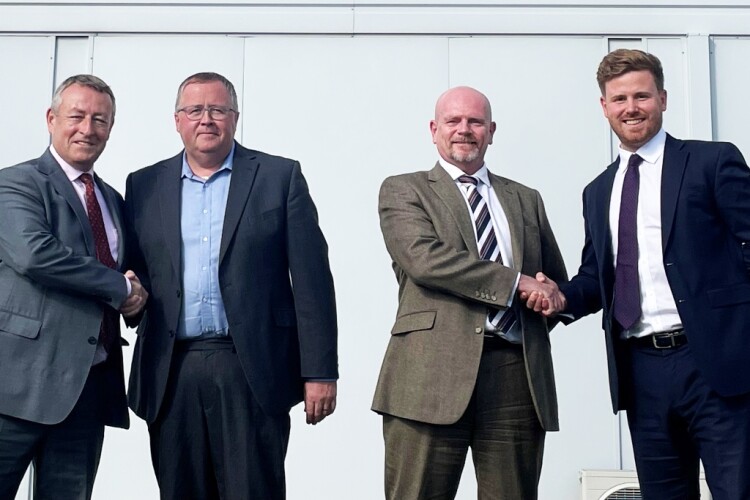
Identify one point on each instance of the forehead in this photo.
(205, 92)
(83, 97)
(632, 81)
(467, 104)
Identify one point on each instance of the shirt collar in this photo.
(227, 164)
(650, 152)
(482, 174)
(71, 172)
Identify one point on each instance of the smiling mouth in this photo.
(635, 121)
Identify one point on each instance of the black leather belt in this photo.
(664, 340)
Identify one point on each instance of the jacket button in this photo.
(171, 333)
(92, 340)
(494, 297)
(478, 330)
(179, 294)
(477, 293)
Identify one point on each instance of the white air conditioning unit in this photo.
(619, 485)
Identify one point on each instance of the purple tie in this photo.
(627, 306)
(502, 319)
(108, 330)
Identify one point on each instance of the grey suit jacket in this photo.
(431, 364)
(53, 292)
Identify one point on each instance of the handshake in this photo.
(541, 294)
(136, 301)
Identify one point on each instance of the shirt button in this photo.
(205, 238)
(478, 329)
(205, 211)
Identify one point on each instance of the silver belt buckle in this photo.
(670, 335)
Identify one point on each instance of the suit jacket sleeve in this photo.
(30, 243)
(732, 188)
(312, 283)
(427, 258)
(583, 291)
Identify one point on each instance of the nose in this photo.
(463, 127)
(206, 116)
(631, 105)
(86, 126)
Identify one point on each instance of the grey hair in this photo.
(89, 81)
(207, 77)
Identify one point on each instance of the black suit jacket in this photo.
(53, 294)
(705, 215)
(274, 278)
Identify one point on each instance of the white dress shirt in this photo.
(659, 311)
(109, 226)
(502, 233)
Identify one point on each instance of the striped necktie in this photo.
(501, 319)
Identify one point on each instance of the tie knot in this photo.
(635, 161)
(467, 179)
(87, 180)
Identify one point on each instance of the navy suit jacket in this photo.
(53, 293)
(274, 277)
(705, 215)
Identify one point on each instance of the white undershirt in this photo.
(109, 226)
(499, 224)
(657, 303)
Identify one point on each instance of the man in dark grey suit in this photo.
(465, 367)
(241, 322)
(61, 245)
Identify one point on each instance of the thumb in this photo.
(541, 277)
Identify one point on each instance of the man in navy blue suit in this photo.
(667, 258)
(241, 324)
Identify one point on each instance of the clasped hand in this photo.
(542, 295)
(136, 301)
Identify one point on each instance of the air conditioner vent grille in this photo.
(625, 494)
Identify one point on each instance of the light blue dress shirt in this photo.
(204, 202)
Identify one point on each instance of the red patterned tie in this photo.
(107, 333)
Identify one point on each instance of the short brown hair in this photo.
(621, 61)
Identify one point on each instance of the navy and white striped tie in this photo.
(501, 319)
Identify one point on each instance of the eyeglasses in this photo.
(195, 113)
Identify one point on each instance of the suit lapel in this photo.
(62, 185)
(244, 168)
(446, 189)
(597, 212)
(508, 198)
(170, 199)
(673, 169)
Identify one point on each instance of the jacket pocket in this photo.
(412, 322)
(728, 296)
(19, 325)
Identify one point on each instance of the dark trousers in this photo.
(65, 455)
(500, 425)
(211, 439)
(676, 419)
